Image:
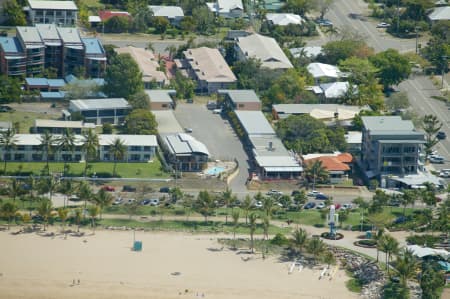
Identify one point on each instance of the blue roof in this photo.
(10, 44)
(52, 94)
(93, 46)
(69, 78)
(36, 81)
(99, 81)
(56, 82)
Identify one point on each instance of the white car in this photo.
(154, 202)
(383, 25)
(444, 174)
(258, 204)
(320, 205)
(347, 206)
(274, 192)
(217, 111)
(313, 193)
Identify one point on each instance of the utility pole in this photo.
(444, 66)
(417, 38)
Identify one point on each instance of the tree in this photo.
(251, 75)
(14, 13)
(408, 198)
(9, 210)
(141, 13)
(77, 218)
(66, 143)
(102, 199)
(389, 245)
(235, 216)
(140, 100)
(300, 198)
(288, 88)
(90, 147)
(315, 247)
(431, 125)
(299, 240)
(246, 206)
(406, 265)
(141, 122)
(7, 143)
(392, 67)
(315, 171)
(123, 77)
(66, 187)
(44, 210)
(81, 89)
(184, 86)
(228, 199)
(431, 281)
(300, 7)
(10, 89)
(363, 206)
(84, 193)
(397, 101)
(266, 225)
(323, 6)
(62, 214)
(205, 204)
(328, 258)
(252, 225)
(161, 24)
(93, 212)
(117, 150)
(15, 188)
(117, 24)
(47, 146)
(204, 20)
(349, 46)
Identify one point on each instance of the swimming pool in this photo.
(215, 170)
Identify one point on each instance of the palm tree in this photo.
(252, 222)
(93, 213)
(299, 239)
(62, 214)
(328, 258)
(14, 189)
(102, 199)
(84, 193)
(408, 198)
(235, 215)
(315, 247)
(406, 266)
(90, 147)
(314, 171)
(31, 182)
(363, 206)
(66, 187)
(47, 147)
(7, 142)
(77, 215)
(228, 199)
(268, 204)
(266, 225)
(246, 206)
(389, 245)
(117, 150)
(9, 210)
(66, 143)
(45, 210)
(205, 204)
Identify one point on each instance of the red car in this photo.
(108, 188)
(337, 206)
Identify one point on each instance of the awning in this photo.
(97, 58)
(284, 169)
(14, 57)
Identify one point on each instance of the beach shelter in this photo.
(426, 251)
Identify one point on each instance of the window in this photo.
(36, 157)
(19, 157)
(135, 148)
(241, 105)
(106, 157)
(135, 157)
(147, 148)
(106, 147)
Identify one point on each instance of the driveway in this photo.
(218, 136)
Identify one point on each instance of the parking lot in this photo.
(218, 136)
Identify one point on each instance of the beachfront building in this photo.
(58, 126)
(34, 49)
(100, 111)
(227, 8)
(139, 148)
(161, 99)
(12, 57)
(208, 67)
(184, 152)
(240, 99)
(338, 165)
(62, 13)
(94, 58)
(148, 64)
(174, 14)
(263, 48)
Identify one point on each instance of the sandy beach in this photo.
(34, 266)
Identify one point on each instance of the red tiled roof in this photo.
(330, 163)
(345, 158)
(108, 14)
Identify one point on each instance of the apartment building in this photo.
(100, 111)
(390, 146)
(94, 58)
(62, 13)
(58, 126)
(34, 49)
(12, 57)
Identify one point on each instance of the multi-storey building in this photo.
(62, 13)
(34, 49)
(13, 61)
(390, 146)
(100, 111)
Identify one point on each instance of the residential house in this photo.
(208, 67)
(148, 64)
(100, 111)
(338, 165)
(332, 91)
(62, 13)
(53, 45)
(161, 99)
(390, 146)
(105, 15)
(323, 73)
(263, 48)
(440, 14)
(184, 152)
(59, 126)
(284, 19)
(240, 99)
(13, 60)
(174, 14)
(43, 84)
(227, 8)
(308, 52)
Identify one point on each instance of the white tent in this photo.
(426, 251)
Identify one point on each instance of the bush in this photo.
(279, 240)
(427, 240)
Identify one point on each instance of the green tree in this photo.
(102, 199)
(252, 225)
(337, 51)
(14, 13)
(8, 141)
(205, 204)
(141, 13)
(288, 88)
(184, 86)
(78, 214)
(66, 146)
(315, 247)
(117, 24)
(299, 240)
(389, 245)
(328, 258)
(44, 210)
(300, 7)
(123, 77)
(62, 214)
(93, 212)
(84, 193)
(392, 67)
(431, 125)
(316, 172)
(15, 188)
(10, 89)
(397, 101)
(432, 280)
(139, 100)
(204, 20)
(118, 150)
(406, 265)
(408, 198)
(161, 24)
(228, 199)
(265, 226)
(235, 216)
(67, 188)
(90, 147)
(363, 206)
(9, 210)
(246, 206)
(141, 122)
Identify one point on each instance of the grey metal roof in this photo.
(241, 95)
(51, 123)
(184, 144)
(29, 34)
(49, 33)
(254, 122)
(52, 5)
(387, 123)
(167, 11)
(440, 14)
(414, 141)
(308, 108)
(70, 35)
(160, 95)
(268, 145)
(93, 104)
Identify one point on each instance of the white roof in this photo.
(353, 137)
(335, 89)
(318, 70)
(283, 19)
(265, 49)
(310, 52)
(94, 19)
(52, 5)
(426, 251)
(51, 123)
(128, 140)
(225, 6)
(167, 11)
(440, 14)
(184, 144)
(111, 103)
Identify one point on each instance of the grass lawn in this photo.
(25, 119)
(354, 285)
(124, 170)
(197, 226)
(92, 4)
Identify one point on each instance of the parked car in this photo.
(128, 188)
(130, 201)
(295, 193)
(145, 202)
(347, 206)
(320, 205)
(444, 174)
(321, 196)
(309, 205)
(217, 111)
(258, 204)
(437, 159)
(337, 206)
(274, 192)
(108, 188)
(118, 201)
(188, 130)
(383, 25)
(313, 193)
(164, 190)
(4, 108)
(190, 101)
(154, 201)
(441, 135)
(324, 22)
(211, 105)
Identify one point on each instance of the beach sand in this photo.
(34, 266)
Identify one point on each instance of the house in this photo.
(338, 165)
(284, 19)
(272, 5)
(184, 152)
(208, 67)
(148, 64)
(43, 84)
(254, 123)
(62, 13)
(73, 51)
(105, 15)
(174, 14)
(334, 90)
(390, 146)
(440, 14)
(227, 8)
(58, 126)
(13, 60)
(53, 45)
(94, 58)
(160, 99)
(322, 72)
(139, 148)
(264, 48)
(308, 52)
(100, 111)
(354, 140)
(240, 99)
